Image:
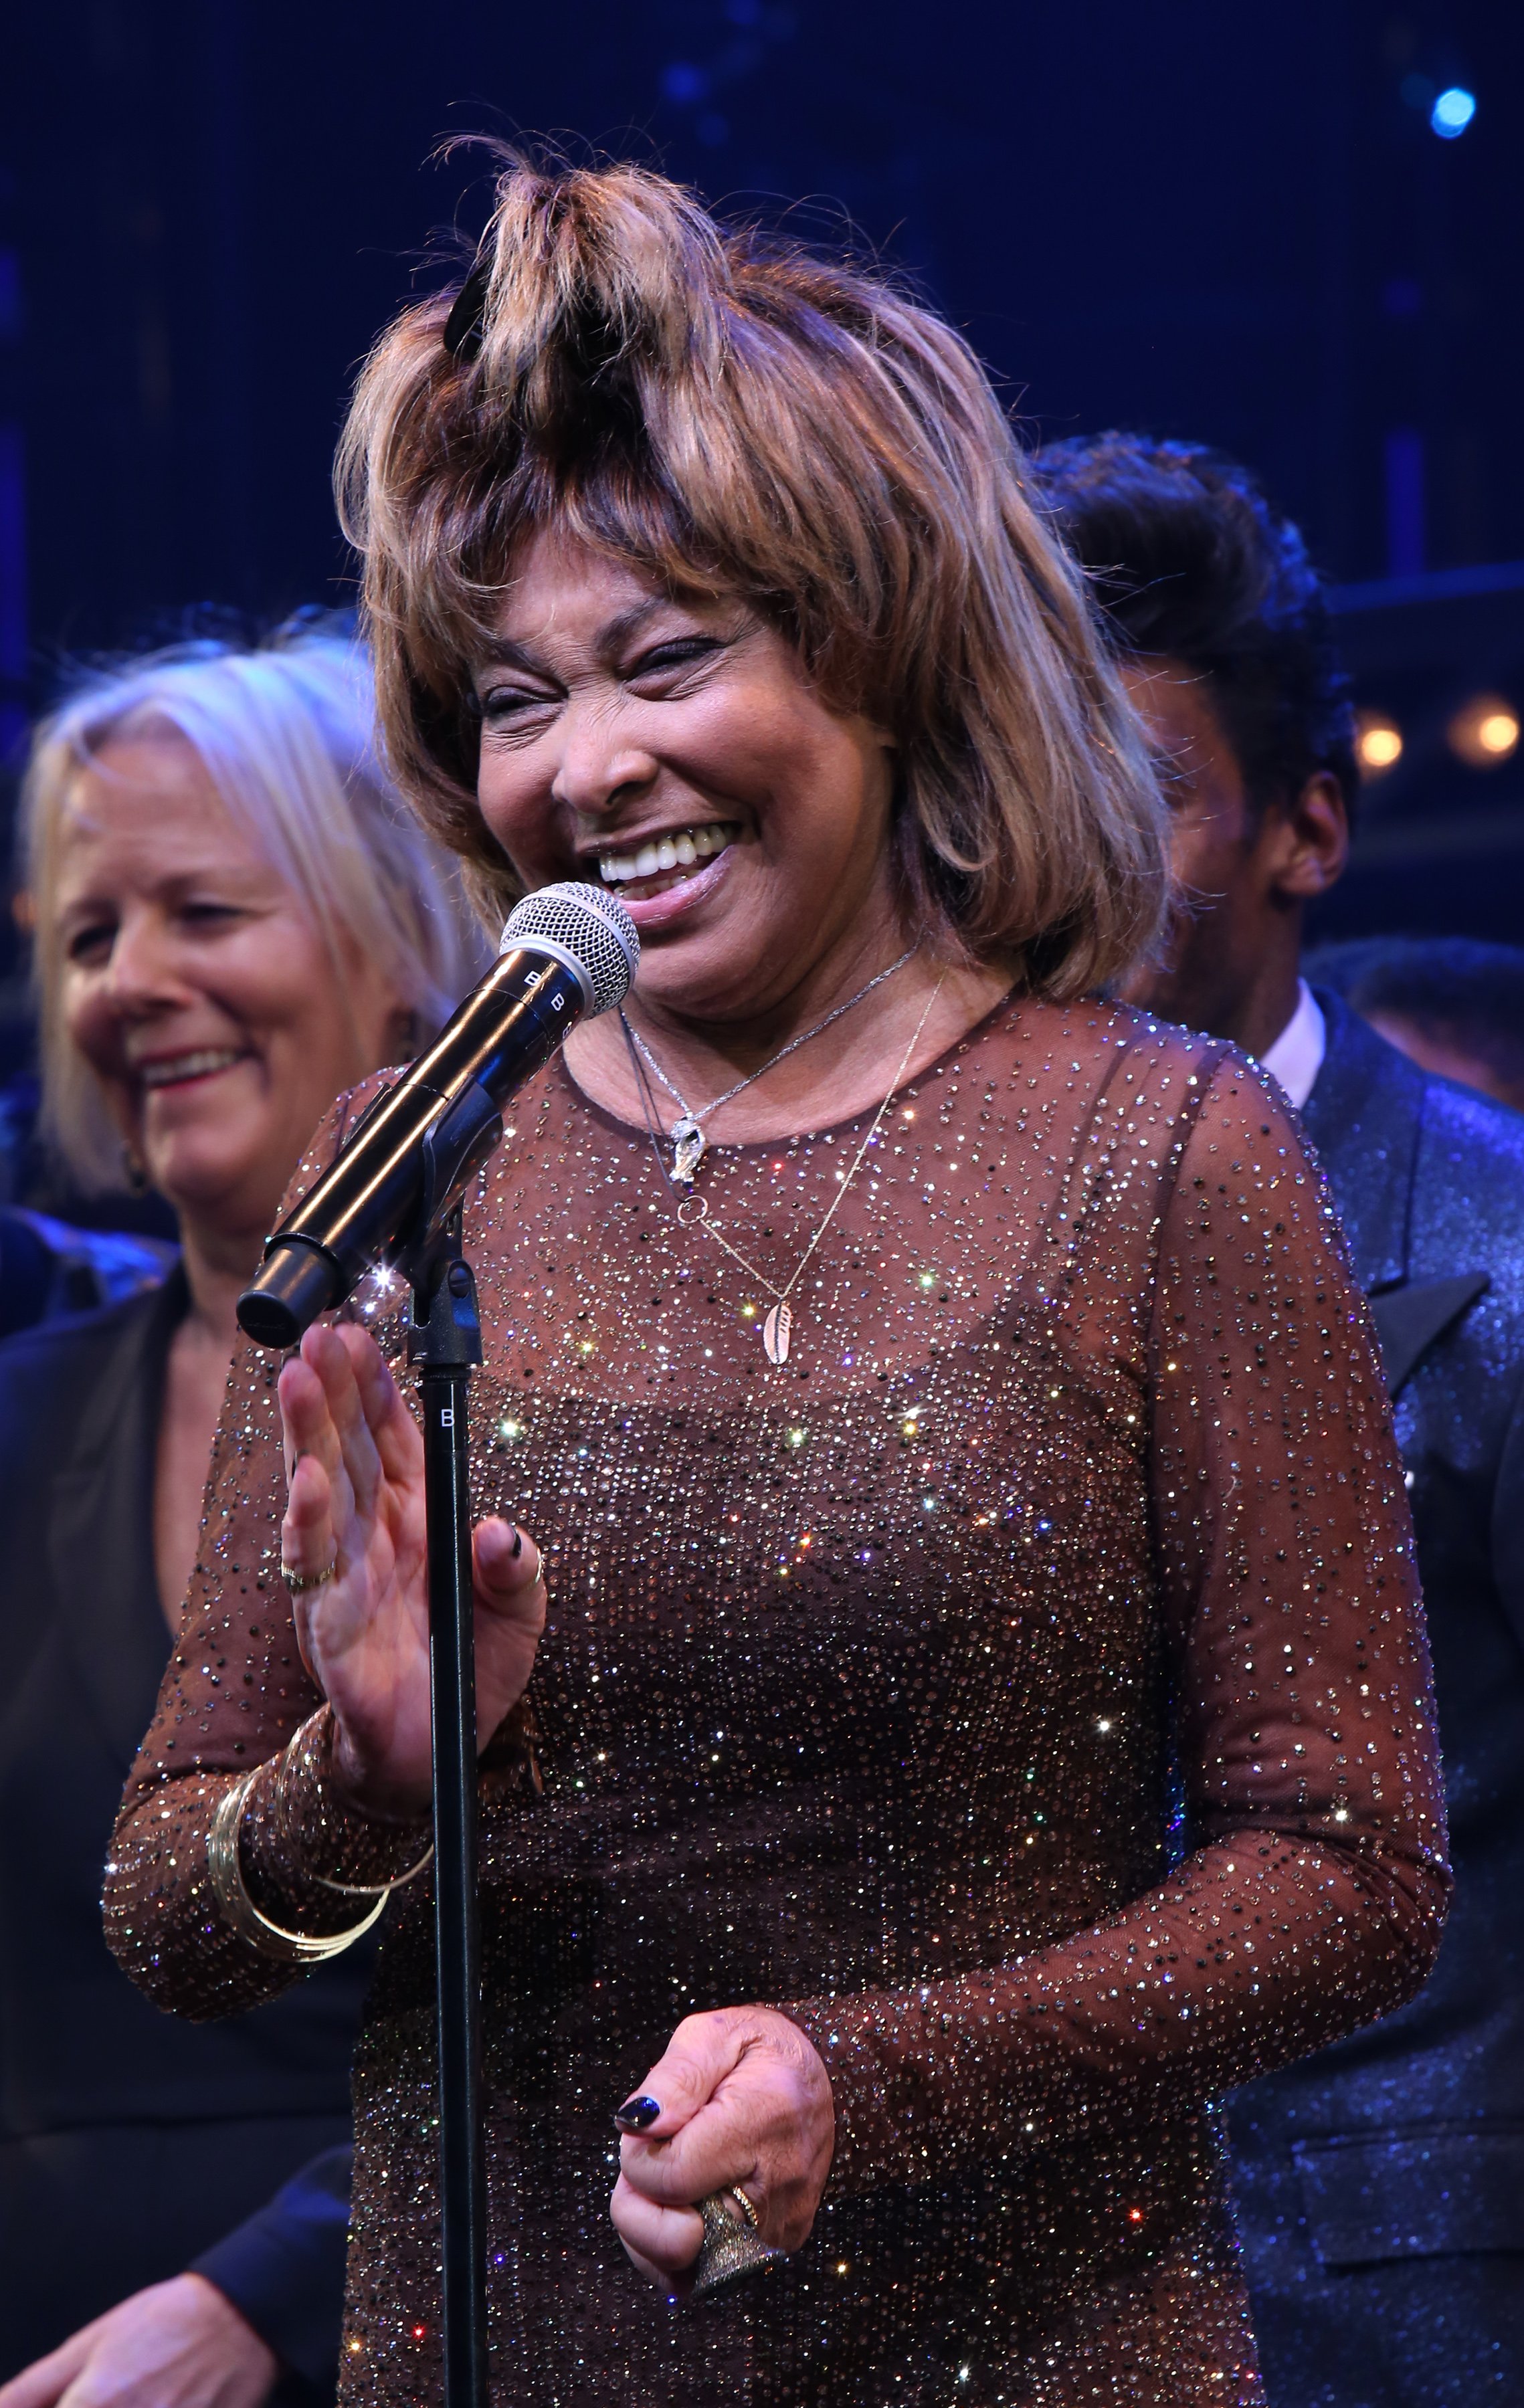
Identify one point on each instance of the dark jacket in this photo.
(51, 1271)
(1381, 2183)
(130, 2143)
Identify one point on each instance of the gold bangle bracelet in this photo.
(381, 1889)
(227, 1882)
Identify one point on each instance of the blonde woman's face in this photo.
(200, 995)
(674, 751)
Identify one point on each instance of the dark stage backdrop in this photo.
(1233, 223)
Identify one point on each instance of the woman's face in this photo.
(204, 1000)
(675, 752)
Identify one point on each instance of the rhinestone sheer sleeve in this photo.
(1027, 1682)
(1305, 1729)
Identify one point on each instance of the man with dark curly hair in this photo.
(1380, 2183)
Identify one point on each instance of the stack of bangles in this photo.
(225, 1869)
(273, 1939)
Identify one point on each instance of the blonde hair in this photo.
(722, 414)
(285, 732)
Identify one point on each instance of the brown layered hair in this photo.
(726, 414)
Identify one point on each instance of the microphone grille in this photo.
(591, 925)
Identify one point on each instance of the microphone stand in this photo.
(444, 1341)
(566, 950)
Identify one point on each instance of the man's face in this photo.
(1229, 913)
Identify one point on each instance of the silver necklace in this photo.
(689, 1143)
(778, 1323)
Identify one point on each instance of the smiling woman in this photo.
(768, 446)
(977, 1432)
(206, 799)
(192, 988)
(235, 918)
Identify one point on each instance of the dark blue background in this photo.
(1209, 220)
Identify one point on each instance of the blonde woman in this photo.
(936, 1395)
(235, 919)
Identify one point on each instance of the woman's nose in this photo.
(599, 765)
(142, 974)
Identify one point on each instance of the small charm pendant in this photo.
(688, 1148)
(775, 1329)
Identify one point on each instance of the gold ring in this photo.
(299, 1582)
(744, 2202)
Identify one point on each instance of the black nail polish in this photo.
(518, 1539)
(637, 2114)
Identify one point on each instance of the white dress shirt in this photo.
(1297, 1056)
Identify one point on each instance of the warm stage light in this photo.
(1378, 742)
(1486, 733)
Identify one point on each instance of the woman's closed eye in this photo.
(204, 916)
(514, 706)
(666, 664)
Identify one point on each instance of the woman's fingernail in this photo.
(638, 2114)
(518, 1539)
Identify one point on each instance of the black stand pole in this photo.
(444, 1341)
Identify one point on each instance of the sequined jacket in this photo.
(1397, 2156)
(1023, 1686)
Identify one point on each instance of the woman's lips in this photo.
(671, 854)
(656, 902)
(185, 1070)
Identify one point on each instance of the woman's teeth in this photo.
(679, 851)
(173, 1068)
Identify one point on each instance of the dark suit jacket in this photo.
(1381, 2183)
(130, 2143)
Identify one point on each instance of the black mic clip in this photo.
(460, 1142)
(444, 1328)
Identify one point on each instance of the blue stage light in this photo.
(683, 82)
(1452, 112)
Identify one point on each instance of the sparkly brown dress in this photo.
(1028, 1682)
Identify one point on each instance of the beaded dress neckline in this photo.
(561, 1069)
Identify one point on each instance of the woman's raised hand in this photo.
(740, 2097)
(354, 1458)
